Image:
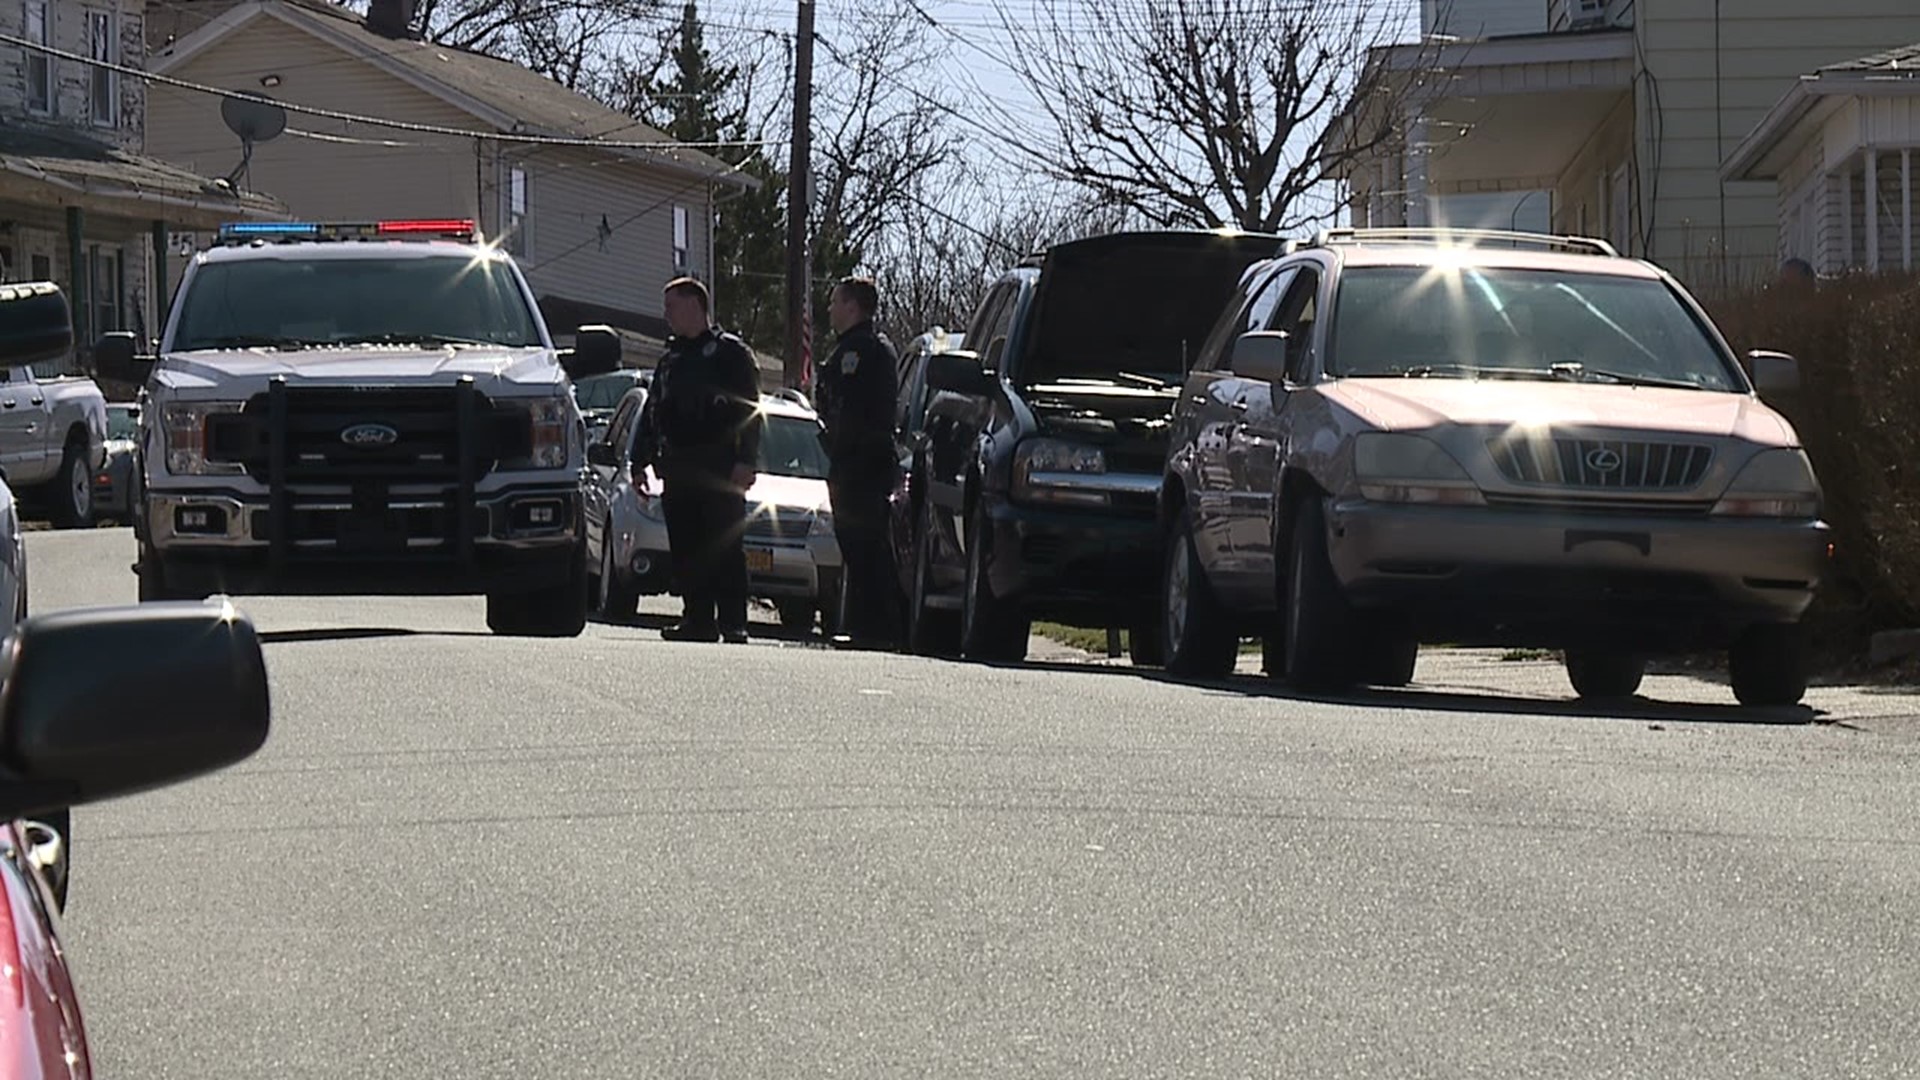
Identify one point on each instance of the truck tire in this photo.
(1322, 630)
(991, 629)
(71, 495)
(1605, 675)
(1768, 665)
(1199, 638)
(556, 611)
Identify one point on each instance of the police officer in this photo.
(700, 429)
(857, 387)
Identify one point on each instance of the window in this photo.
(42, 269)
(1248, 310)
(517, 210)
(682, 233)
(39, 28)
(1296, 315)
(105, 82)
(103, 289)
(791, 446)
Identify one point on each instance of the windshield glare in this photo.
(1508, 323)
(325, 302)
(603, 391)
(790, 446)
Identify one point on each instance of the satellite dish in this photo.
(255, 121)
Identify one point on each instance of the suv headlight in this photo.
(184, 426)
(551, 423)
(1397, 468)
(1051, 470)
(1776, 483)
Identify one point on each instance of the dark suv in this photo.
(1035, 470)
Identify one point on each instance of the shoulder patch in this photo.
(709, 348)
(849, 361)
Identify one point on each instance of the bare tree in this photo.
(1208, 113)
(566, 40)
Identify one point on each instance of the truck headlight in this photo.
(1397, 468)
(822, 527)
(1052, 470)
(551, 422)
(1776, 483)
(184, 426)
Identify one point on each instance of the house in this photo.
(1616, 115)
(80, 203)
(1839, 150)
(597, 229)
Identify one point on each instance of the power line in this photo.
(637, 215)
(665, 145)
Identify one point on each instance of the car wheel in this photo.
(795, 615)
(615, 597)
(991, 629)
(1144, 645)
(1321, 637)
(1605, 675)
(73, 492)
(930, 632)
(1769, 665)
(1389, 659)
(1197, 635)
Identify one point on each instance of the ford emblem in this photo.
(1603, 460)
(369, 436)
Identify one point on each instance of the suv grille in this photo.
(417, 436)
(1613, 464)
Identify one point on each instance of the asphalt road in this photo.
(463, 856)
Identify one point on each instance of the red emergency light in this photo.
(436, 226)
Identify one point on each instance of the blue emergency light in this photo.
(454, 228)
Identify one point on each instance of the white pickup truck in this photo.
(53, 436)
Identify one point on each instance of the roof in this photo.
(84, 168)
(507, 96)
(1891, 72)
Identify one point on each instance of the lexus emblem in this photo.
(369, 436)
(1603, 460)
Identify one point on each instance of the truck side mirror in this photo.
(596, 351)
(959, 373)
(35, 324)
(116, 356)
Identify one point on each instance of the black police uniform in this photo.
(857, 387)
(701, 419)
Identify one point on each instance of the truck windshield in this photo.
(1494, 323)
(323, 302)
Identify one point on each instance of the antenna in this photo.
(255, 119)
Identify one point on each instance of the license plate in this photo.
(759, 560)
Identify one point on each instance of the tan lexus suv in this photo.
(1403, 436)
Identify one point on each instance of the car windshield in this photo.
(314, 303)
(603, 391)
(122, 424)
(790, 446)
(1480, 322)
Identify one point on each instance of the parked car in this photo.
(53, 431)
(909, 424)
(114, 482)
(792, 557)
(1036, 469)
(186, 694)
(599, 395)
(1393, 437)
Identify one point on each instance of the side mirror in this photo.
(116, 356)
(1261, 354)
(1774, 372)
(596, 351)
(35, 324)
(602, 453)
(186, 694)
(959, 373)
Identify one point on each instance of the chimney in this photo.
(391, 18)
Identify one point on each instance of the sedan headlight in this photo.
(1396, 468)
(1776, 483)
(184, 426)
(1051, 470)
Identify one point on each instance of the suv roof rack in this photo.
(1582, 245)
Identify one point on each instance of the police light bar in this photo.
(455, 228)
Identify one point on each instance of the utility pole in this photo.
(799, 183)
